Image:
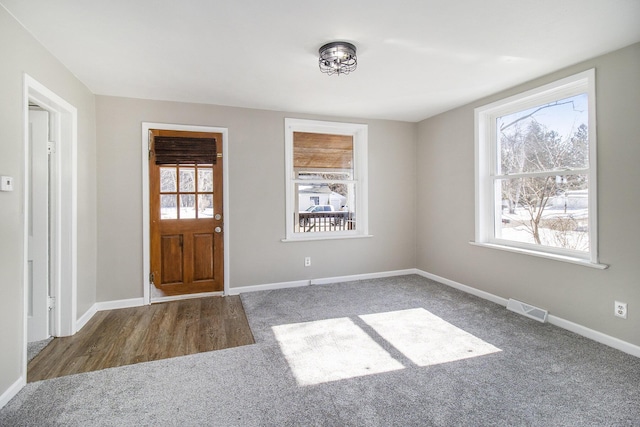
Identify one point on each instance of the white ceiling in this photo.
(416, 58)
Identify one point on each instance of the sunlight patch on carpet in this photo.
(331, 350)
(425, 338)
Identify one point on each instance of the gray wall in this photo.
(420, 178)
(257, 199)
(579, 294)
(20, 53)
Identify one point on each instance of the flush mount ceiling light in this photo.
(338, 58)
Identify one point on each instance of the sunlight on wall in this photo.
(338, 349)
(426, 339)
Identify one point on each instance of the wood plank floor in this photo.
(132, 335)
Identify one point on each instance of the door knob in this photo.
(217, 216)
(217, 229)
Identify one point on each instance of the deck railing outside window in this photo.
(310, 222)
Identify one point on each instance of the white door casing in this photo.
(63, 210)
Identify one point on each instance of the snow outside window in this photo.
(326, 180)
(536, 171)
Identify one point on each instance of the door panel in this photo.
(203, 256)
(38, 243)
(172, 259)
(185, 183)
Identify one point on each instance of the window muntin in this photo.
(326, 179)
(178, 196)
(536, 170)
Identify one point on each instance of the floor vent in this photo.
(527, 310)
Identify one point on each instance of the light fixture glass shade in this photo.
(337, 58)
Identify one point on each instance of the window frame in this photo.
(486, 174)
(359, 132)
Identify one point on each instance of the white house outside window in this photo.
(326, 180)
(536, 171)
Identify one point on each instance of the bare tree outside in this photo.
(541, 157)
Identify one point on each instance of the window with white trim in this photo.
(326, 180)
(536, 171)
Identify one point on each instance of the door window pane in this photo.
(205, 179)
(187, 206)
(205, 205)
(168, 180)
(168, 206)
(187, 179)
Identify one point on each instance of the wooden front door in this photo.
(185, 188)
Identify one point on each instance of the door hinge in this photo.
(51, 147)
(151, 278)
(219, 155)
(51, 303)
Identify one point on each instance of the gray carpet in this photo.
(34, 348)
(401, 351)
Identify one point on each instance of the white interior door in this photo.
(38, 244)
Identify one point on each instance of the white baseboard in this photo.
(354, 277)
(323, 281)
(12, 391)
(107, 305)
(121, 303)
(268, 287)
(605, 339)
(84, 319)
(468, 289)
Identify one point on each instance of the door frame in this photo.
(146, 232)
(63, 211)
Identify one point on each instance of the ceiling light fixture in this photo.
(338, 58)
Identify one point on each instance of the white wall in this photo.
(576, 293)
(21, 54)
(257, 199)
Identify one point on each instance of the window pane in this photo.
(205, 179)
(168, 206)
(168, 180)
(547, 137)
(322, 152)
(205, 205)
(549, 211)
(324, 207)
(187, 179)
(187, 206)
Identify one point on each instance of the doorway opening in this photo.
(50, 215)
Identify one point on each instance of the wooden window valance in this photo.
(170, 150)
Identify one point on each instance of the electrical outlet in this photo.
(307, 261)
(620, 309)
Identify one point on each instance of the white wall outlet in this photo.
(6, 183)
(620, 309)
(307, 261)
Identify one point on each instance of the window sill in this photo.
(311, 239)
(556, 257)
